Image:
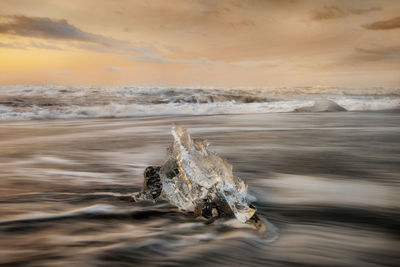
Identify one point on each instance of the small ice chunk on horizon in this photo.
(322, 105)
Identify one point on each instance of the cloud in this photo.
(19, 45)
(366, 57)
(155, 58)
(112, 69)
(384, 24)
(258, 63)
(12, 46)
(61, 30)
(57, 72)
(61, 72)
(386, 52)
(46, 28)
(335, 12)
(243, 23)
(44, 46)
(174, 49)
(363, 56)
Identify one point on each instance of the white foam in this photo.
(368, 103)
(61, 102)
(94, 209)
(298, 189)
(56, 160)
(133, 110)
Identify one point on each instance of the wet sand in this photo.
(329, 182)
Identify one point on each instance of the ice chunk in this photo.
(322, 105)
(193, 174)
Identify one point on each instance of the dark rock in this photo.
(152, 186)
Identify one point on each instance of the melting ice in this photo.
(196, 179)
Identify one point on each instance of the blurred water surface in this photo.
(329, 182)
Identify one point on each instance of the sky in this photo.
(219, 43)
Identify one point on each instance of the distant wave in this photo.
(53, 102)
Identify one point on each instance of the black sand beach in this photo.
(329, 182)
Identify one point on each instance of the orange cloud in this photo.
(384, 24)
(334, 12)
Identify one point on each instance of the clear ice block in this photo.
(201, 175)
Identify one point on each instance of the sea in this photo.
(322, 166)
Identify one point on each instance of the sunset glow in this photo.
(200, 42)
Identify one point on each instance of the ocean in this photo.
(63, 102)
(326, 182)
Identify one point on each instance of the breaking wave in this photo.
(54, 102)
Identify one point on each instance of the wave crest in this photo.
(52, 102)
